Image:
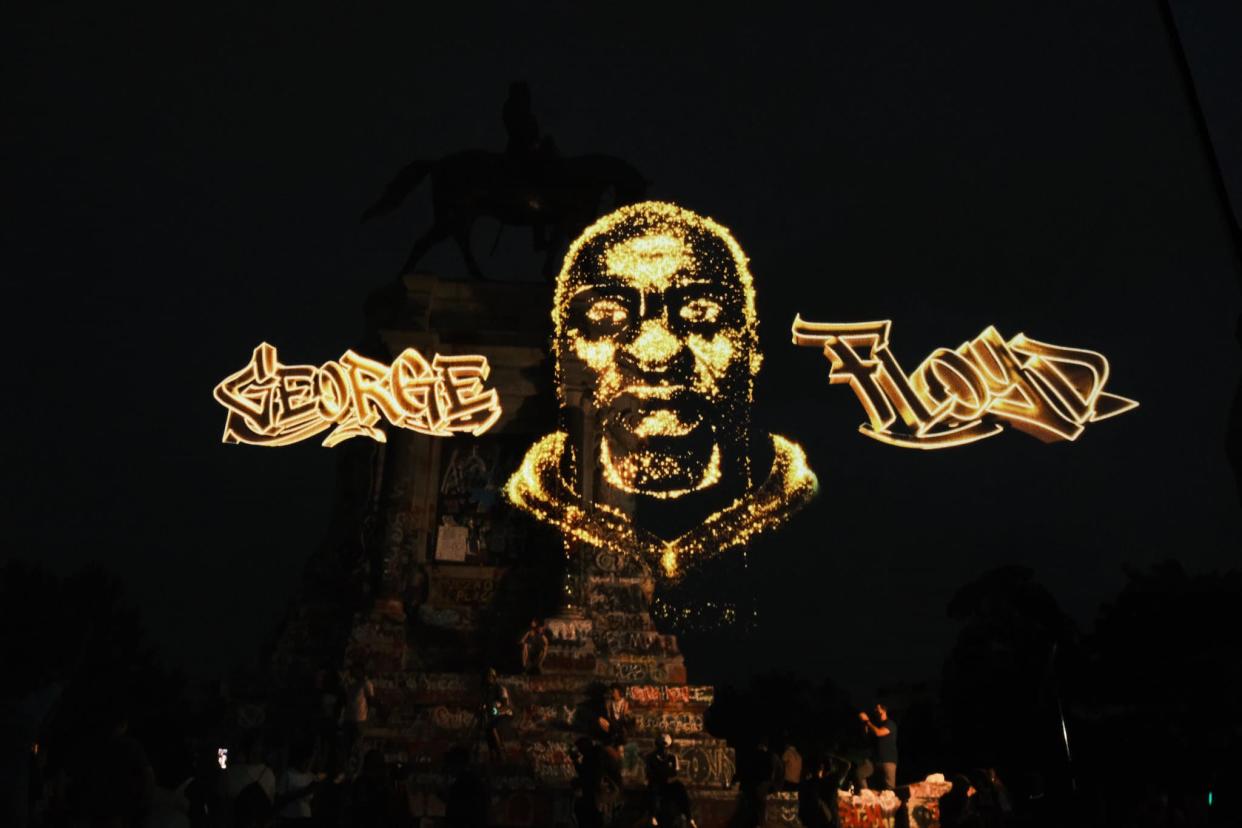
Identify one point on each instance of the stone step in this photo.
(448, 688)
(432, 720)
(643, 670)
(615, 597)
(623, 620)
(636, 642)
(431, 706)
(659, 695)
(458, 618)
(674, 723)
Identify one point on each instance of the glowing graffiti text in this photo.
(271, 404)
(961, 395)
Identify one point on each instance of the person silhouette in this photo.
(531, 157)
(520, 124)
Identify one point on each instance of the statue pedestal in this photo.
(460, 573)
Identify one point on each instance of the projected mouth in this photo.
(654, 392)
(670, 412)
(663, 422)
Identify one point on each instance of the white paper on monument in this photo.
(452, 543)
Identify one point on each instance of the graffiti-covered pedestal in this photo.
(429, 577)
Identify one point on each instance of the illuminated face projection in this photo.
(656, 351)
(271, 404)
(961, 395)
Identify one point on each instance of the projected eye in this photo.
(607, 311)
(700, 310)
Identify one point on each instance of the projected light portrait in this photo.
(656, 350)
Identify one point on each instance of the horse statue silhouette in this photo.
(561, 194)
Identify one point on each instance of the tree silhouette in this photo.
(817, 718)
(79, 635)
(998, 685)
(1162, 692)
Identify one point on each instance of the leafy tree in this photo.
(1163, 692)
(776, 706)
(999, 681)
(78, 634)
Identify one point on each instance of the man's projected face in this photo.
(656, 352)
(655, 305)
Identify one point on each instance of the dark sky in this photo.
(183, 185)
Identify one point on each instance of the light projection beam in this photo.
(957, 396)
(271, 404)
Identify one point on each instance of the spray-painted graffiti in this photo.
(447, 618)
(625, 620)
(661, 694)
(867, 809)
(701, 693)
(675, 724)
(453, 718)
(378, 633)
(709, 765)
(472, 591)
(923, 806)
(442, 683)
(569, 630)
(646, 694)
(648, 670)
(615, 563)
(637, 642)
(521, 685)
(544, 716)
(395, 681)
(781, 809)
(550, 761)
(616, 596)
(444, 688)
(583, 660)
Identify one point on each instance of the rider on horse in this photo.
(531, 159)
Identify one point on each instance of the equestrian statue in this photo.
(529, 185)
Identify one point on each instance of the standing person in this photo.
(465, 800)
(20, 721)
(590, 773)
(532, 158)
(295, 787)
(791, 761)
(328, 688)
(374, 801)
(359, 695)
(249, 785)
(615, 721)
(116, 783)
(758, 770)
(666, 795)
(497, 709)
(661, 770)
(816, 797)
(521, 128)
(882, 731)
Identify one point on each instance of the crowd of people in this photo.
(598, 762)
(245, 773)
(599, 757)
(257, 776)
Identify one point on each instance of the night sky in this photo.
(182, 185)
